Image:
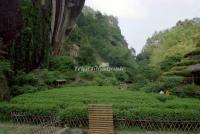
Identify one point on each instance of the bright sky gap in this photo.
(139, 19)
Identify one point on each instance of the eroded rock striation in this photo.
(31, 30)
(63, 20)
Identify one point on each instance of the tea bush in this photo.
(70, 102)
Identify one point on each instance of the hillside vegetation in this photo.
(100, 40)
(96, 40)
(174, 54)
(164, 64)
(169, 64)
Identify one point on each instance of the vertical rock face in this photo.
(63, 19)
(31, 30)
(35, 28)
(4, 91)
(10, 23)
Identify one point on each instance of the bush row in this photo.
(71, 102)
(82, 112)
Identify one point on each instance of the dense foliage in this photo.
(5, 72)
(97, 39)
(32, 47)
(100, 40)
(169, 62)
(171, 53)
(72, 102)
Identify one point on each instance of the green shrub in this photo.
(172, 81)
(71, 102)
(154, 87)
(51, 76)
(136, 86)
(169, 62)
(24, 89)
(5, 72)
(107, 74)
(101, 82)
(177, 68)
(4, 66)
(87, 55)
(78, 111)
(106, 81)
(147, 73)
(70, 75)
(188, 62)
(42, 86)
(86, 75)
(186, 90)
(113, 81)
(190, 89)
(164, 98)
(25, 78)
(121, 76)
(179, 73)
(194, 52)
(61, 63)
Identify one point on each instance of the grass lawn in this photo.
(72, 102)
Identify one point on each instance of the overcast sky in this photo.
(139, 19)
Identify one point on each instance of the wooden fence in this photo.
(100, 119)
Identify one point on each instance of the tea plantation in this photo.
(72, 102)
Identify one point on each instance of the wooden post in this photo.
(100, 119)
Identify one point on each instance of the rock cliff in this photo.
(31, 30)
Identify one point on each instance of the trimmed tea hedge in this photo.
(70, 102)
